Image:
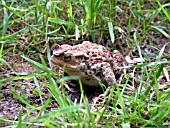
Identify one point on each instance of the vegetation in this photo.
(29, 90)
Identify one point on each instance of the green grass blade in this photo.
(20, 98)
(12, 10)
(165, 12)
(12, 35)
(60, 21)
(85, 101)
(138, 46)
(19, 124)
(5, 20)
(161, 31)
(120, 99)
(97, 9)
(156, 77)
(58, 112)
(112, 36)
(36, 64)
(6, 63)
(39, 91)
(70, 10)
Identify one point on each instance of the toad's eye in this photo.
(67, 57)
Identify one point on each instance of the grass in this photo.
(29, 29)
